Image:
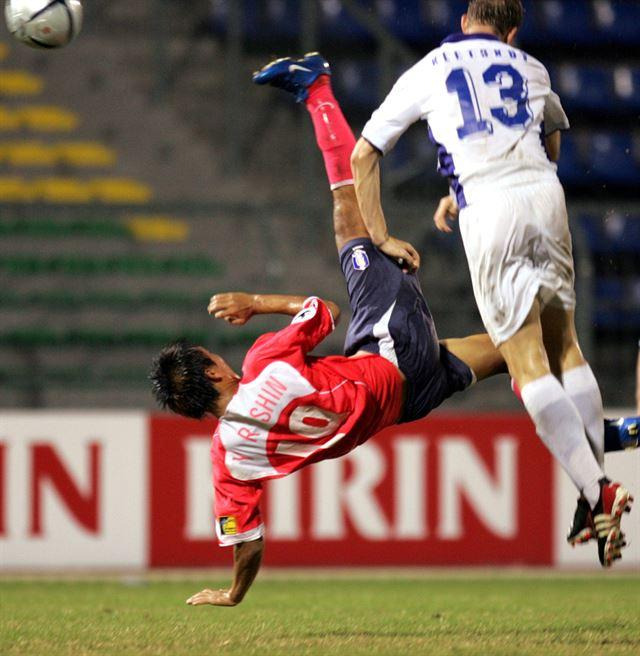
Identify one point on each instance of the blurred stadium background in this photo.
(141, 171)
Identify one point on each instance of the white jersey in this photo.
(488, 106)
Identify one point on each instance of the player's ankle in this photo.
(322, 82)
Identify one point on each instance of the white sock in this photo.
(581, 386)
(560, 427)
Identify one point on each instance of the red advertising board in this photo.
(448, 490)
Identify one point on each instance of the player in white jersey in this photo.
(496, 121)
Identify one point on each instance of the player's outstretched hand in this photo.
(213, 597)
(448, 210)
(235, 307)
(407, 256)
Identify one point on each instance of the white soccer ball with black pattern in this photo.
(44, 23)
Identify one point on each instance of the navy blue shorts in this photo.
(391, 318)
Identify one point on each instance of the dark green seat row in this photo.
(34, 337)
(60, 299)
(73, 377)
(127, 264)
(62, 229)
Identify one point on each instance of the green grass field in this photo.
(429, 614)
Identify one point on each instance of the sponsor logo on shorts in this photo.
(359, 258)
(228, 525)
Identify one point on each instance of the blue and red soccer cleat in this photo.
(294, 75)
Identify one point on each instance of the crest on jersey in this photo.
(359, 258)
(228, 525)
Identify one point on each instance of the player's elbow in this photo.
(335, 311)
(363, 155)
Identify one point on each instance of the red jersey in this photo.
(292, 409)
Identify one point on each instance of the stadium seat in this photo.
(28, 154)
(598, 88)
(86, 154)
(133, 265)
(613, 233)
(270, 23)
(157, 228)
(617, 21)
(50, 228)
(612, 158)
(566, 21)
(120, 191)
(45, 118)
(35, 336)
(9, 119)
(15, 189)
(62, 190)
(571, 167)
(610, 290)
(63, 299)
(626, 85)
(584, 87)
(337, 25)
(20, 83)
(357, 84)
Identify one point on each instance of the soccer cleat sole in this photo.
(612, 547)
(586, 535)
(605, 521)
(610, 537)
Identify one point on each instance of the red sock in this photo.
(333, 134)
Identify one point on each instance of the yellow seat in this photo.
(20, 83)
(29, 153)
(4, 51)
(45, 118)
(62, 190)
(9, 119)
(86, 153)
(15, 189)
(120, 190)
(157, 228)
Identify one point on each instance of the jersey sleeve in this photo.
(400, 109)
(311, 325)
(554, 117)
(237, 508)
(307, 329)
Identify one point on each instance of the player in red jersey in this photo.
(290, 409)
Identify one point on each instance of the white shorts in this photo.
(518, 247)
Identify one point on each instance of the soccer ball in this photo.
(44, 23)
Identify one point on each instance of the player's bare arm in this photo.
(447, 211)
(365, 164)
(238, 307)
(247, 557)
(552, 144)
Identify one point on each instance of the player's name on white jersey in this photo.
(452, 53)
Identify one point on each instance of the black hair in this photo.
(179, 381)
(504, 15)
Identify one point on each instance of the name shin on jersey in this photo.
(266, 401)
(252, 413)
